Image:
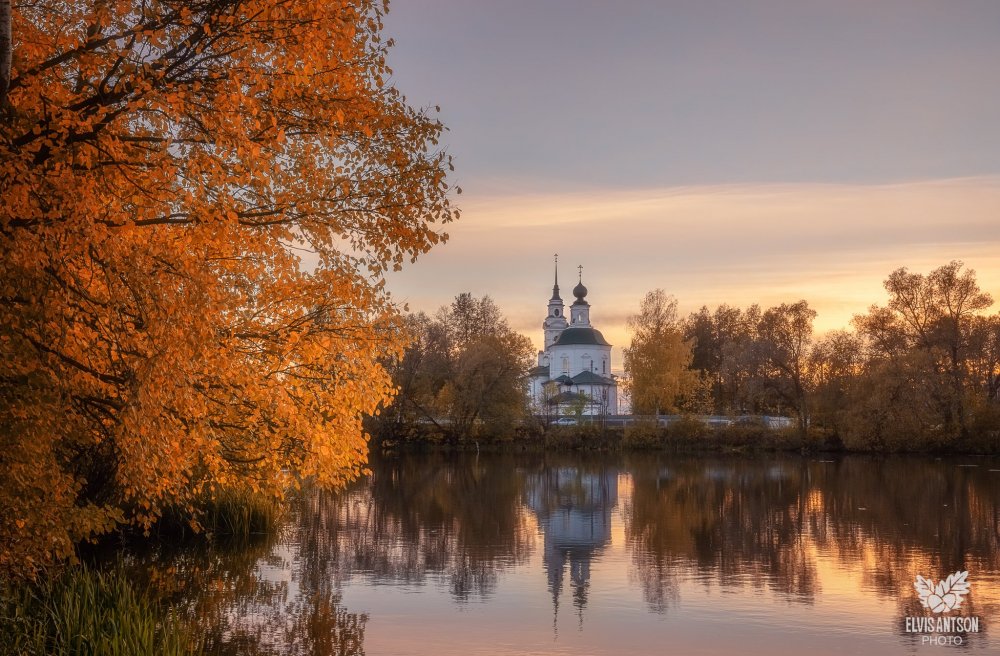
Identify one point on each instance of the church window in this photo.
(565, 365)
(555, 313)
(604, 366)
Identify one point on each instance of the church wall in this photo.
(578, 357)
(535, 393)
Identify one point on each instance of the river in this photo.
(611, 554)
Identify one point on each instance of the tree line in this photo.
(922, 369)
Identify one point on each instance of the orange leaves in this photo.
(155, 170)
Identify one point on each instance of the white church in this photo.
(574, 369)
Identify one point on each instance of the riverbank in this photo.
(104, 603)
(685, 435)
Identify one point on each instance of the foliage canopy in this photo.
(657, 361)
(464, 371)
(163, 166)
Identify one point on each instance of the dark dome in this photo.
(581, 336)
(580, 291)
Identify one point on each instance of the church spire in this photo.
(555, 321)
(555, 287)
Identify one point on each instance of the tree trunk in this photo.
(6, 51)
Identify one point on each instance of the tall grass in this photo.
(88, 612)
(240, 514)
(231, 514)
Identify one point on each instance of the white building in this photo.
(574, 369)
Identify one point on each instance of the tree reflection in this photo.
(743, 523)
(733, 521)
(900, 517)
(457, 522)
(250, 598)
(454, 519)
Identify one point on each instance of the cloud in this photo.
(831, 244)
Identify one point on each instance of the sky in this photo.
(751, 152)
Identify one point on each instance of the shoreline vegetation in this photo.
(86, 610)
(686, 434)
(96, 605)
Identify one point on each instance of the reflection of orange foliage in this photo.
(161, 165)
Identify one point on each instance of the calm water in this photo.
(647, 554)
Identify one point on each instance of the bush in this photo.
(984, 429)
(643, 434)
(584, 436)
(687, 429)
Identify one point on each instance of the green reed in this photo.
(240, 514)
(88, 612)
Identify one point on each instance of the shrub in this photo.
(643, 434)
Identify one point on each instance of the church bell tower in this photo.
(555, 322)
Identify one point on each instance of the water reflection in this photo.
(744, 524)
(735, 522)
(490, 550)
(251, 598)
(572, 507)
(902, 517)
(457, 521)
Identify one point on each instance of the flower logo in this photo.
(946, 595)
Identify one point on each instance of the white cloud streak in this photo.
(832, 245)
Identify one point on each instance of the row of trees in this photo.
(163, 166)
(924, 365)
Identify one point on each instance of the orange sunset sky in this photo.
(735, 153)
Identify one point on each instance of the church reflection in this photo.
(573, 507)
(540, 531)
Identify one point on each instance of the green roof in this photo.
(569, 397)
(590, 378)
(581, 336)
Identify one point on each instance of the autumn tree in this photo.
(928, 328)
(984, 358)
(784, 336)
(464, 371)
(835, 363)
(200, 200)
(721, 341)
(658, 358)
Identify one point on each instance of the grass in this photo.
(88, 612)
(240, 514)
(232, 514)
